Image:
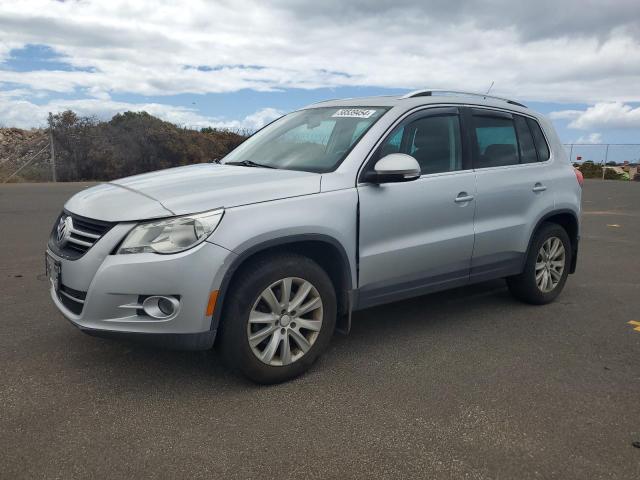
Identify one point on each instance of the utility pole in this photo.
(606, 157)
(571, 154)
(53, 150)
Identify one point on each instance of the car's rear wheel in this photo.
(278, 318)
(546, 267)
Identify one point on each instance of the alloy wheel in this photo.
(550, 264)
(285, 321)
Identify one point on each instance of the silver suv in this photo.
(336, 207)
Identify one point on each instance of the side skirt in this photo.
(500, 266)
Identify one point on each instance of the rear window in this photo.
(525, 139)
(539, 140)
(497, 142)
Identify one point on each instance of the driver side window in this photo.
(434, 141)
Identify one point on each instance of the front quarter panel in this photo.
(329, 214)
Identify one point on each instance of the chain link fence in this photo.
(30, 160)
(609, 161)
(76, 148)
(604, 153)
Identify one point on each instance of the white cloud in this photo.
(592, 139)
(547, 50)
(20, 112)
(606, 115)
(565, 114)
(256, 120)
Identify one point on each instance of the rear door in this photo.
(417, 236)
(513, 190)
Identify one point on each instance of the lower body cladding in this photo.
(165, 300)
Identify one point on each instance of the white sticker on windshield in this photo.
(353, 113)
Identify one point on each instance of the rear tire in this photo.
(546, 267)
(258, 305)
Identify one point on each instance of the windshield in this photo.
(313, 140)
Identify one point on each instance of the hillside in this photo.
(17, 147)
(89, 149)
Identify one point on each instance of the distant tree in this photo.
(131, 143)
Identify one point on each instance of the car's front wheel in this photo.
(279, 316)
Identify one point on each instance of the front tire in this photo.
(546, 267)
(279, 316)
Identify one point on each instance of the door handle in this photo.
(538, 187)
(463, 197)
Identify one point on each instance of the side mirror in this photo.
(395, 167)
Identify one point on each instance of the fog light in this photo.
(161, 307)
(165, 306)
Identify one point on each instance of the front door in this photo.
(417, 237)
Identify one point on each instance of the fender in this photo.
(341, 325)
(574, 241)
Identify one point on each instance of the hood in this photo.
(190, 189)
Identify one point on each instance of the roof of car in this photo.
(426, 97)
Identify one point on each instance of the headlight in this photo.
(171, 235)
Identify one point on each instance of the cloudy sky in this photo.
(242, 63)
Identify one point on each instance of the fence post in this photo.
(53, 150)
(571, 154)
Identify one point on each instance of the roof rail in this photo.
(429, 92)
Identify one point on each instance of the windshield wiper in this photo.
(249, 163)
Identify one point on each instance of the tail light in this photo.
(579, 176)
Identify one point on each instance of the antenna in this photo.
(490, 87)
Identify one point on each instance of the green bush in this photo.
(590, 170)
(131, 143)
(610, 174)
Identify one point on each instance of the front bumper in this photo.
(110, 284)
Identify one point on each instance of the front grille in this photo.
(72, 299)
(82, 234)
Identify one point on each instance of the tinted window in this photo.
(434, 141)
(527, 148)
(538, 137)
(496, 142)
(393, 143)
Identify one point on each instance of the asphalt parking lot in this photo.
(462, 384)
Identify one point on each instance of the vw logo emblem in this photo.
(65, 225)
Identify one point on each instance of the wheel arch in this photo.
(567, 219)
(325, 250)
